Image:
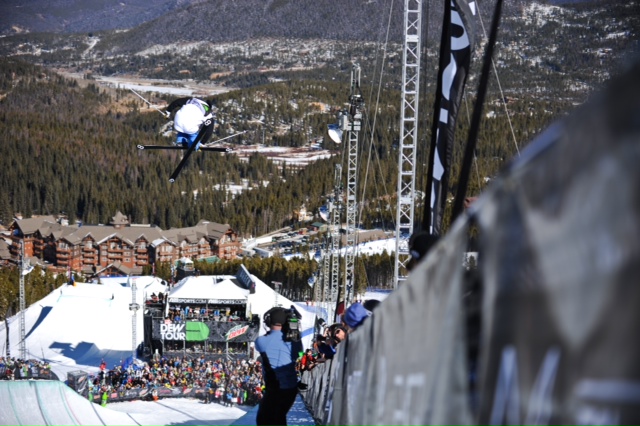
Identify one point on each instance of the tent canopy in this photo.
(208, 289)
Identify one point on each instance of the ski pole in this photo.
(164, 113)
(226, 137)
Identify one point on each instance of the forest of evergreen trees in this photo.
(70, 149)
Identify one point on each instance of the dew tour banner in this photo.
(458, 38)
(211, 331)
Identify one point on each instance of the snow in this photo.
(41, 402)
(179, 411)
(193, 412)
(76, 327)
(299, 157)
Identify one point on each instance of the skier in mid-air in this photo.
(194, 121)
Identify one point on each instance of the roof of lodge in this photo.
(119, 228)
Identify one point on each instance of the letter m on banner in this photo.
(458, 38)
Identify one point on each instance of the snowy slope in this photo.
(76, 327)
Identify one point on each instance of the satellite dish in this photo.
(324, 213)
(335, 133)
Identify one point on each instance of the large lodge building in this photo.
(120, 247)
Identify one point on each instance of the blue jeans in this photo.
(186, 140)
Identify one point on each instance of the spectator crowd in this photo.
(228, 382)
(16, 369)
(224, 381)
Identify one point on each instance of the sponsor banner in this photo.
(213, 301)
(244, 277)
(206, 331)
(560, 247)
(456, 48)
(162, 392)
(237, 331)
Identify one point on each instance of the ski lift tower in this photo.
(408, 136)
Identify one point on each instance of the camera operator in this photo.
(279, 355)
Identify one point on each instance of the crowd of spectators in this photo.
(201, 313)
(16, 369)
(325, 344)
(228, 382)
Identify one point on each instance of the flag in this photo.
(458, 39)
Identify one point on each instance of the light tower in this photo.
(356, 105)
(408, 136)
(351, 122)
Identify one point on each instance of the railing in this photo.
(528, 335)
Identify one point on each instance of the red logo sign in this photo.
(236, 331)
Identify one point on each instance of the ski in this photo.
(202, 148)
(178, 169)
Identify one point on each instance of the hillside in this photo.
(76, 16)
(557, 50)
(76, 152)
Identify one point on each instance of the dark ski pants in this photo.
(274, 406)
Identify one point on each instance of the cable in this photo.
(375, 115)
(495, 70)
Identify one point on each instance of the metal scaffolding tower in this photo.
(23, 343)
(334, 247)
(354, 115)
(408, 136)
(134, 306)
(349, 121)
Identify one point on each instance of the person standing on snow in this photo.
(105, 397)
(279, 370)
(194, 121)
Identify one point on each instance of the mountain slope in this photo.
(72, 16)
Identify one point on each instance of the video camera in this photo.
(291, 323)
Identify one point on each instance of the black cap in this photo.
(278, 316)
